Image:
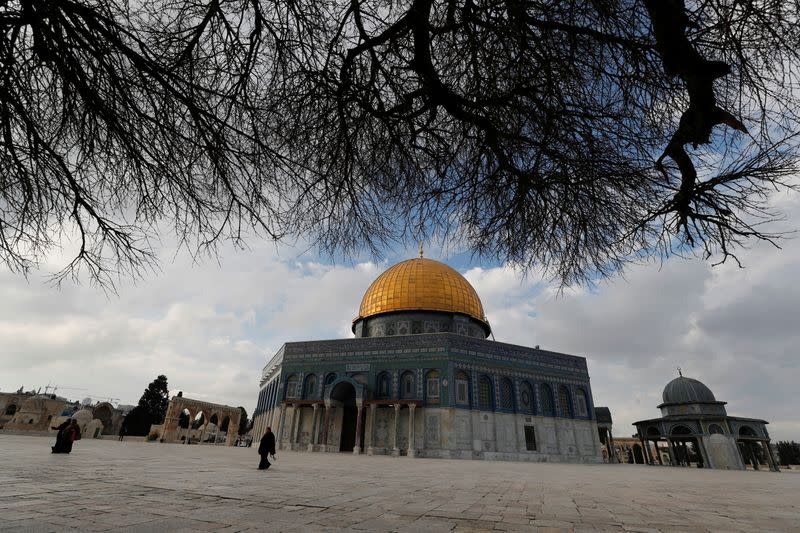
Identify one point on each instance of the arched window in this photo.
(462, 388)
(432, 387)
(716, 429)
(407, 385)
(506, 394)
(11, 409)
(548, 405)
(310, 387)
(382, 388)
(747, 431)
(330, 378)
(485, 394)
(293, 386)
(581, 403)
(526, 400)
(681, 430)
(563, 402)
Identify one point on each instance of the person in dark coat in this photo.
(122, 430)
(266, 449)
(71, 434)
(59, 446)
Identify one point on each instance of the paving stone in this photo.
(132, 487)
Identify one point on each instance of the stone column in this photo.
(314, 428)
(395, 449)
(370, 436)
(701, 448)
(645, 455)
(281, 422)
(357, 447)
(297, 423)
(608, 445)
(658, 453)
(754, 457)
(672, 459)
(412, 451)
(773, 465)
(648, 452)
(233, 430)
(326, 422)
(613, 446)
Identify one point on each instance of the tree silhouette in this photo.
(789, 452)
(574, 136)
(243, 422)
(155, 400)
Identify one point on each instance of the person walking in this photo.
(266, 449)
(59, 445)
(122, 430)
(70, 435)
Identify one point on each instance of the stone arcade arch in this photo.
(195, 409)
(104, 412)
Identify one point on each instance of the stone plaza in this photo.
(105, 485)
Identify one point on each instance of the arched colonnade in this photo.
(204, 413)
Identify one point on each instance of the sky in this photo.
(211, 326)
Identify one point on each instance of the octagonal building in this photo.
(421, 379)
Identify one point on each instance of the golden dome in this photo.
(421, 285)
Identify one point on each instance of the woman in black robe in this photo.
(71, 434)
(266, 448)
(59, 446)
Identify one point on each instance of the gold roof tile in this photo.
(421, 284)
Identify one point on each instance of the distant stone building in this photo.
(34, 412)
(421, 379)
(29, 411)
(695, 429)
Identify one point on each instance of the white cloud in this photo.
(210, 328)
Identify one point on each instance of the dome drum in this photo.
(419, 322)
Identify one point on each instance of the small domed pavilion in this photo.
(696, 429)
(421, 379)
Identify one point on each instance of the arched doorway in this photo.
(345, 393)
(750, 448)
(104, 412)
(686, 447)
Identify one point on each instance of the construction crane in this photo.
(109, 399)
(56, 387)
